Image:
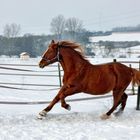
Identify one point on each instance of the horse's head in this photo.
(51, 55)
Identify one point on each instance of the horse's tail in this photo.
(135, 77)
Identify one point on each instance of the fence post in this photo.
(138, 95)
(133, 89)
(59, 73)
(114, 60)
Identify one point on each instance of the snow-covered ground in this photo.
(18, 122)
(81, 123)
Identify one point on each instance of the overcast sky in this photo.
(34, 16)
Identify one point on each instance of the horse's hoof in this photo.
(68, 107)
(42, 115)
(104, 117)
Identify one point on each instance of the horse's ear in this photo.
(55, 44)
(53, 41)
(58, 43)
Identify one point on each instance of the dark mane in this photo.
(75, 46)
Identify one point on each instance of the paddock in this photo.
(26, 89)
(27, 73)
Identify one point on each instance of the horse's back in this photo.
(100, 79)
(122, 73)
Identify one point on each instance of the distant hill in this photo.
(127, 29)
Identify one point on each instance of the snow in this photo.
(19, 122)
(117, 37)
(82, 123)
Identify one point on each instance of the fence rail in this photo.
(16, 74)
(24, 65)
(22, 84)
(47, 102)
(9, 85)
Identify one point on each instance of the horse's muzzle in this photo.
(41, 65)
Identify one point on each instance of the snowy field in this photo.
(117, 37)
(18, 122)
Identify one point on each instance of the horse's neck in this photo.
(71, 61)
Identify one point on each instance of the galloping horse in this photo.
(81, 76)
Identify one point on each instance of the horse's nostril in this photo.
(40, 65)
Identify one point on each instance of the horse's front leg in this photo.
(63, 93)
(64, 104)
(44, 112)
(69, 90)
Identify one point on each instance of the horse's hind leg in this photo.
(116, 98)
(123, 101)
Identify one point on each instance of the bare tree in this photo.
(58, 25)
(73, 26)
(11, 30)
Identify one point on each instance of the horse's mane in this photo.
(75, 46)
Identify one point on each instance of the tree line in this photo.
(35, 45)
(11, 43)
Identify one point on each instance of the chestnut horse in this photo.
(81, 76)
